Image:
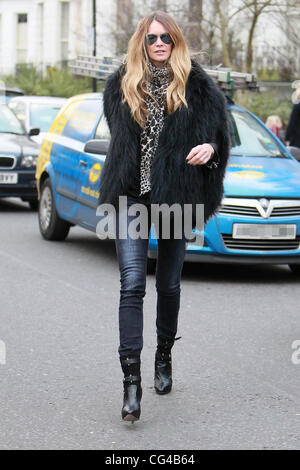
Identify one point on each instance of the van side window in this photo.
(102, 131)
(78, 120)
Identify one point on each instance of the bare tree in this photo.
(289, 51)
(222, 30)
(161, 5)
(255, 9)
(226, 16)
(198, 27)
(194, 30)
(128, 12)
(248, 12)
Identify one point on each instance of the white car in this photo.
(36, 112)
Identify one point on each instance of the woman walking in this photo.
(169, 144)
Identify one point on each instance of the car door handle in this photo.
(83, 162)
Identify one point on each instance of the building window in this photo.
(64, 31)
(21, 38)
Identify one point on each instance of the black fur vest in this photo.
(172, 179)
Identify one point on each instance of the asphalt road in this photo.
(235, 385)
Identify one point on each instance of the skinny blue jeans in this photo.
(132, 260)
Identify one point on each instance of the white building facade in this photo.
(52, 32)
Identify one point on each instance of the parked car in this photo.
(18, 156)
(36, 112)
(259, 221)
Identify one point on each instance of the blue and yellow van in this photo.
(258, 222)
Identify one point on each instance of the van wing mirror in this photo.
(97, 146)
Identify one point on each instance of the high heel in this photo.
(163, 365)
(131, 409)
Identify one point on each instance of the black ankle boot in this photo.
(163, 365)
(131, 365)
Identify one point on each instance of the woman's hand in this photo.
(200, 154)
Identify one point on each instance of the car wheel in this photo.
(52, 227)
(295, 268)
(34, 204)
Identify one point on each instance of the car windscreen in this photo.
(42, 115)
(249, 138)
(9, 123)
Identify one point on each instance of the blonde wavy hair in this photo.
(134, 81)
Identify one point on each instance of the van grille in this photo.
(260, 245)
(253, 207)
(239, 210)
(285, 211)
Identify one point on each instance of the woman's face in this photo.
(159, 52)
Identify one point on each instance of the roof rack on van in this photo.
(95, 67)
(227, 80)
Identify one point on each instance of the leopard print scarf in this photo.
(156, 107)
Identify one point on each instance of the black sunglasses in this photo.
(152, 38)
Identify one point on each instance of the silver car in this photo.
(36, 112)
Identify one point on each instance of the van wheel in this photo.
(295, 268)
(52, 227)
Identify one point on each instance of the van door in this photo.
(69, 160)
(88, 191)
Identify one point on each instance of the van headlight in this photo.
(29, 161)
